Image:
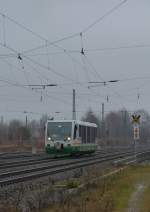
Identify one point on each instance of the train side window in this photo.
(80, 131)
(92, 134)
(91, 140)
(75, 131)
(95, 134)
(83, 134)
(88, 134)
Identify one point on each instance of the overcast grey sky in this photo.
(128, 26)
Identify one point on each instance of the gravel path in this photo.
(134, 202)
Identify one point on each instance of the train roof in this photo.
(76, 121)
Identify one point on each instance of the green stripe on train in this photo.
(72, 149)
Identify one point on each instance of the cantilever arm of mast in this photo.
(101, 82)
(42, 86)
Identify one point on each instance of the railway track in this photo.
(43, 159)
(47, 159)
(46, 170)
(58, 163)
(27, 154)
(19, 163)
(18, 155)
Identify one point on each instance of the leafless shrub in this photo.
(39, 198)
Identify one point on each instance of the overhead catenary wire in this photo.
(147, 78)
(20, 70)
(12, 83)
(66, 102)
(35, 62)
(83, 31)
(107, 99)
(105, 81)
(23, 68)
(4, 29)
(16, 84)
(70, 57)
(125, 79)
(71, 51)
(109, 12)
(103, 16)
(82, 58)
(86, 29)
(82, 54)
(39, 64)
(23, 111)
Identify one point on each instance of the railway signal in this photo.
(136, 130)
(136, 133)
(136, 122)
(136, 119)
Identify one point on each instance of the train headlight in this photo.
(68, 138)
(49, 139)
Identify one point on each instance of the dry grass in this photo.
(23, 146)
(108, 195)
(111, 194)
(14, 147)
(145, 202)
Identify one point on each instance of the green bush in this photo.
(73, 184)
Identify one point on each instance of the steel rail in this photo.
(47, 159)
(51, 171)
(62, 163)
(42, 171)
(36, 161)
(16, 164)
(17, 155)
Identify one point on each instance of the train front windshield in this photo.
(59, 131)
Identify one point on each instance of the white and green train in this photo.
(70, 137)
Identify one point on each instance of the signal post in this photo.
(136, 131)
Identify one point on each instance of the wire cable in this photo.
(104, 16)
(109, 12)
(39, 64)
